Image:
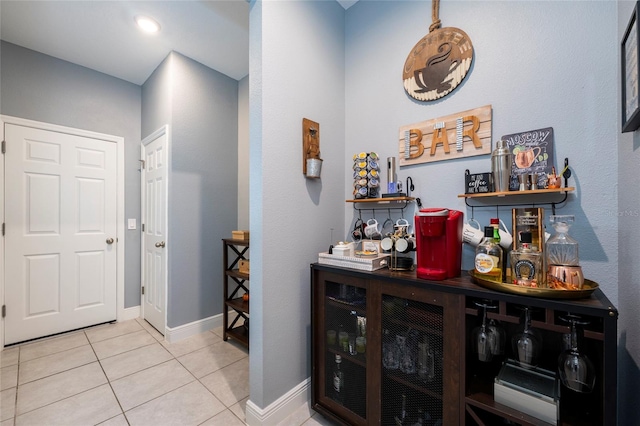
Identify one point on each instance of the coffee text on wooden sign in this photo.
(458, 135)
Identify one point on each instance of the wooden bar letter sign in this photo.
(464, 134)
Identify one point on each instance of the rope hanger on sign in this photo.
(435, 10)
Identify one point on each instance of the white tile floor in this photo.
(126, 374)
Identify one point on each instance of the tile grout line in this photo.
(109, 383)
(202, 384)
(58, 372)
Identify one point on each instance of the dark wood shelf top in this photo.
(236, 273)
(238, 304)
(240, 334)
(236, 242)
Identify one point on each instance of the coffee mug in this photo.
(387, 243)
(525, 158)
(406, 244)
(356, 234)
(402, 226)
(506, 239)
(372, 230)
(472, 234)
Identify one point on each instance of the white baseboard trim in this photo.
(281, 408)
(128, 313)
(180, 332)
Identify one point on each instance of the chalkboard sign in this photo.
(478, 183)
(532, 153)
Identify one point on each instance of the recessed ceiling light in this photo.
(147, 24)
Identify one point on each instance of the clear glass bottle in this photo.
(401, 416)
(495, 224)
(488, 260)
(561, 248)
(338, 381)
(526, 264)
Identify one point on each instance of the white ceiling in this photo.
(102, 35)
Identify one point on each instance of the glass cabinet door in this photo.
(412, 354)
(343, 352)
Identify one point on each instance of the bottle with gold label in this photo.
(488, 260)
(526, 264)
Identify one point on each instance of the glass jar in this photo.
(561, 248)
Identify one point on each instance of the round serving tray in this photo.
(548, 293)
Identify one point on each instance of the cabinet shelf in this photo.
(342, 304)
(237, 274)
(359, 359)
(238, 304)
(433, 389)
(241, 334)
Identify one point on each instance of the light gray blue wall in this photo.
(156, 99)
(201, 107)
(529, 63)
(628, 214)
(296, 72)
(243, 153)
(42, 88)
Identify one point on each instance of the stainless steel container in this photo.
(501, 160)
(391, 175)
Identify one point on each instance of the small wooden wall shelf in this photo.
(381, 200)
(516, 193)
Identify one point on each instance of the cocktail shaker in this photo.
(501, 160)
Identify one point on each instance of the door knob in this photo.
(160, 244)
(109, 240)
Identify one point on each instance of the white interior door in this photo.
(61, 248)
(154, 236)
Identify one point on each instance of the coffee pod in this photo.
(361, 156)
(360, 165)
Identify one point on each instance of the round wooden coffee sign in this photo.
(437, 64)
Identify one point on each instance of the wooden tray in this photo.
(547, 293)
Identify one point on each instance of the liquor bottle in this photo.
(403, 412)
(495, 224)
(338, 381)
(526, 264)
(488, 260)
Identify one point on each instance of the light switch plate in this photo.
(132, 223)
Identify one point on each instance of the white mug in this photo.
(406, 244)
(372, 230)
(402, 227)
(506, 239)
(471, 234)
